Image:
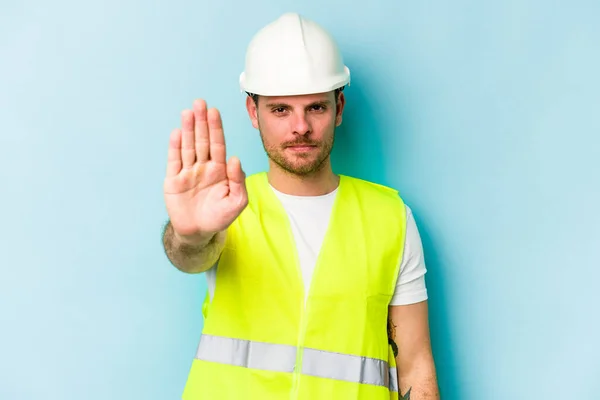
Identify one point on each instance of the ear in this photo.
(341, 102)
(252, 111)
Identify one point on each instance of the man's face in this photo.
(297, 131)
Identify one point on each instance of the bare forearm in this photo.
(420, 382)
(192, 256)
(420, 389)
(412, 348)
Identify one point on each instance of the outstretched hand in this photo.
(203, 193)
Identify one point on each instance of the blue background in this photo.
(485, 115)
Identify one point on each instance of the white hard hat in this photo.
(292, 56)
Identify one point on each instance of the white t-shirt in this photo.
(309, 216)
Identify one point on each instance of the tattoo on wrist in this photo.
(406, 396)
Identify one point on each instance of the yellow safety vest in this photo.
(263, 341)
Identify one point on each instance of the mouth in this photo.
(301, 147)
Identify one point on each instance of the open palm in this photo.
(203, 193)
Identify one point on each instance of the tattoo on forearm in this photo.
(391, 336)
(406, 396)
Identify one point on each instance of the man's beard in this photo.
(277, 155)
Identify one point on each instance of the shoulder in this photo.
(372, 188)
(255, 177)
(255, 182)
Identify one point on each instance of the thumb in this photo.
(236, 177)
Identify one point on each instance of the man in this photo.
(316, 287)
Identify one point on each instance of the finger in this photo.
(237, 178)
(188, 151)
(174, 157)
(217, 139)
(201, 131)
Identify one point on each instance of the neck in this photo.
(318, 183)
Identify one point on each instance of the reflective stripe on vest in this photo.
(282, 358)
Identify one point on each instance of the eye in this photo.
(278, 110)
(317, 107)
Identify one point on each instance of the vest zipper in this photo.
(304, 308)
(299, 353)
(305, 294)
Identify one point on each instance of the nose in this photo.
(301, 126)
